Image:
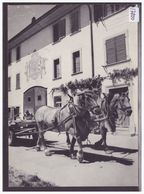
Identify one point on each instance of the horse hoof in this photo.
(80, 157)
(47, 153)
(37, 148)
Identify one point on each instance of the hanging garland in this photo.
(82, 84)
(125, 74)
(96, 82)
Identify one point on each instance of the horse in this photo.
(72, 117)
(110, 106)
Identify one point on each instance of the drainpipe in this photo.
(91, 36)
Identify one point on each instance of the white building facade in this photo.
(72, 41)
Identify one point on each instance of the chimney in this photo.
(33, 20)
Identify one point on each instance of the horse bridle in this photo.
(122, 109)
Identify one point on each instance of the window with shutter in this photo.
(75, 21)
(98, 12)
(108, 9)
(116, 49)
(110, 51)
(55, 33)
(59, 30)
(18, 53)
(120, 47)
(62, 28)
(103, 10)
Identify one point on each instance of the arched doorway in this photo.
(34, 98)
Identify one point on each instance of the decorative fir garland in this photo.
(125, 74)
(96, 82)
(82, 84)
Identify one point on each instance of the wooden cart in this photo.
(19, 128)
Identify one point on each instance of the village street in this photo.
(118, 168)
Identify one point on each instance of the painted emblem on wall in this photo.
(35, 67)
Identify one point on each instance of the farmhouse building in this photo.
(73, 41)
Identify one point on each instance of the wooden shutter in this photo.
(98, 12)
(18, 53)
(62, 28)
(120, 47)
(110, 51)
(74, 21)
(116, 49)
(55, 32)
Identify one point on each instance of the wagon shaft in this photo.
(26, 131)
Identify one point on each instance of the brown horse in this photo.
(73, 118)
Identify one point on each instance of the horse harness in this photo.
(74, 111)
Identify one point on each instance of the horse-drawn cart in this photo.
(22, 128)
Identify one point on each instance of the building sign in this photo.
(35, 67)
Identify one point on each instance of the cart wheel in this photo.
(11, 138)
(35, 138)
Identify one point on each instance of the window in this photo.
(75, 21)
(13, 113)
(39, 98)
(107, 9)
(18, 53)
(57, 72)
(18, 81)
(59, 30)
(9, 113)
(57, 101)
(76, 62)
(9, 83)
(9, 58)
(16, 112)
(116, 49)
(29, 99)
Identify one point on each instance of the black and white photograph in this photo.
(72, 96)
